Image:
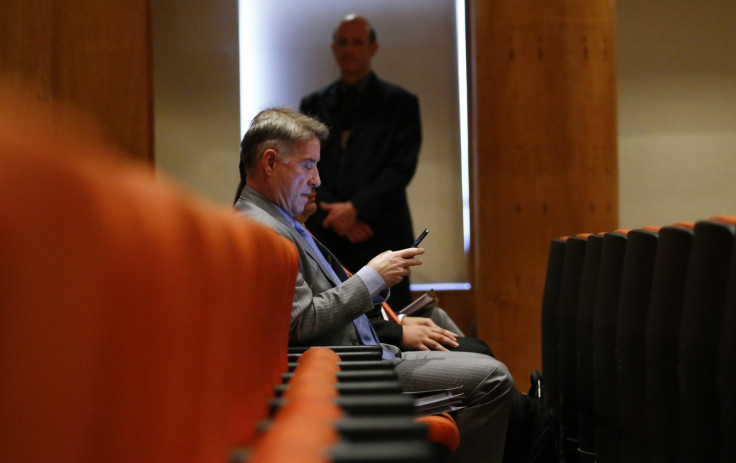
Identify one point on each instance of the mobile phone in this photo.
(420, 238)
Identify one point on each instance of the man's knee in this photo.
(497, 385)
(507, 381)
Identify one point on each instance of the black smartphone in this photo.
(420, 238)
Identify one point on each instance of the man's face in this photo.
(295, 179)
(311, 206)
(309, 209)
(352, 49)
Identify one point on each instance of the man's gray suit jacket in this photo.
(322, 312)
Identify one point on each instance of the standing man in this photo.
(279, 156)
(369, 157)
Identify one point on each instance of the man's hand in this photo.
(340, 216)
(359, 232)
(393, 266)
(421, 333)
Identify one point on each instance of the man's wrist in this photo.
(372, 280)
(353, 209)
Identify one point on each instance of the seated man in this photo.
(279, 156)
(430, 329)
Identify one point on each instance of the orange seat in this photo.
(138, 323)
(442, 429)
(729, 219)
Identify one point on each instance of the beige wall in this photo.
(677, 110)
(197, 108)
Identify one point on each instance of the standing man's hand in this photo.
(340, 216)
(393, 266)
(359, 232)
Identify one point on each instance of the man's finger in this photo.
(439, 346)
(410, 252)
(449, 334)
(441, 338)
(450, 342)
(443, 335)
(410, 262)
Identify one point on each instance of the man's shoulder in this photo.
(260, 210)
(254, 211)
(321, 93)
(258, 214)
(392, 89)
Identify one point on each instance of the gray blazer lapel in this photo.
(332, 260)
(327, 257)
(285, 228)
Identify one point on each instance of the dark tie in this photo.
(348, 106)
(346, 116)
(363, 327)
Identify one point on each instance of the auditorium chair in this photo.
(633, 304)
(584, 349)
(604, 342)
(656, 307)
(662, 338)
(139, 323)
(699, 344)
(550, 300)
(727, 366)
(572, 270)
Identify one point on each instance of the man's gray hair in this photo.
(279, 129)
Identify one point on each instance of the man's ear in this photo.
(374, 49)
(333, 47)
(269, 160)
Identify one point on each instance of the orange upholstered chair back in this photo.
(137, 323)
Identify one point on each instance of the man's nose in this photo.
(316, 181)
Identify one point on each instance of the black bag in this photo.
(533, 432)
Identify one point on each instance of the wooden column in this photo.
(544, 154)
(95, 54)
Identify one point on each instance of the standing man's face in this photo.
(295, 179)
(352, 49)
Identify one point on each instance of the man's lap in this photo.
(475, 373)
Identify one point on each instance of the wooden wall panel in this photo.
(544, 154)
(96, 54)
